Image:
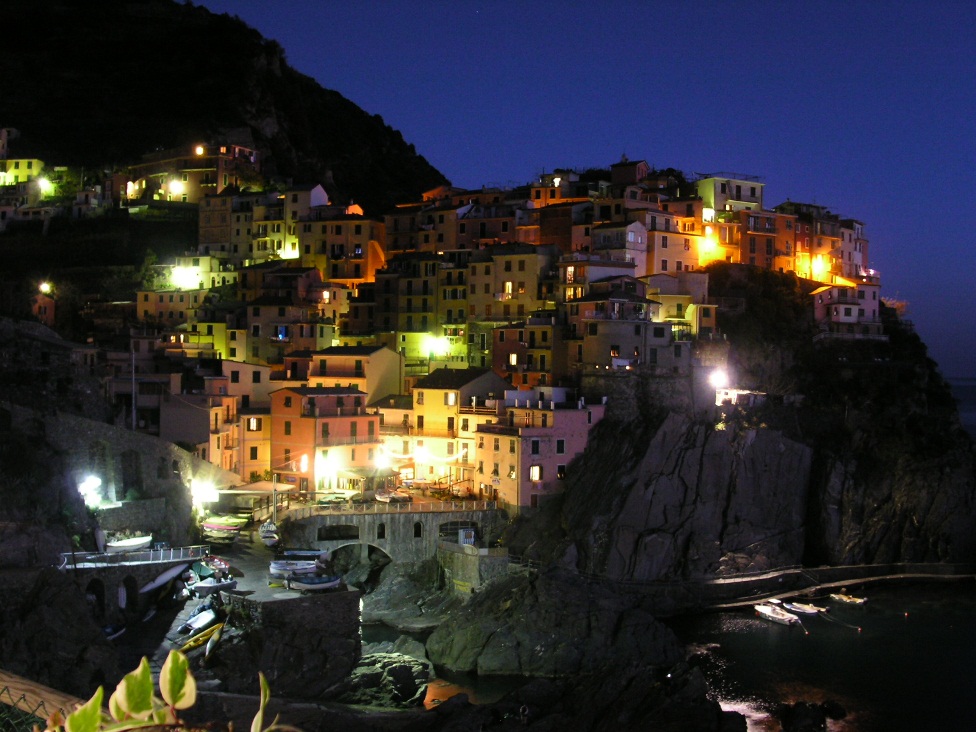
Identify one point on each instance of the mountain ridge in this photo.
(85, 87)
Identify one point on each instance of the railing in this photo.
(33, 699)
(74, 560)
(378, 507)
(329, 441)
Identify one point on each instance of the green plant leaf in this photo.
(176, 682)
(258, 722)
(117, 712)
(87, 717)
(133, 695)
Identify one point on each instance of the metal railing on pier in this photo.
(73, 560)
(306, 510)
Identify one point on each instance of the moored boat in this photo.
(775, 613)
(312, 582)
(268, 533)
(805, 608)
(212, 585)
(132, 544)
(849, 599)
(286, 567)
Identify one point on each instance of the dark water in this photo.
(911, 667)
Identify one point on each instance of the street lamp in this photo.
(88, 488)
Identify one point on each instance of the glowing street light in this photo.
(718, 379)
(88, 488)
(45, 288)
(201, 492)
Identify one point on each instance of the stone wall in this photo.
(142, 516)
(130, 465)
(307, 643)
(469, 567)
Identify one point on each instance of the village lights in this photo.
(185, 278)
(45, 288)
(718, 379)
(201, 492)
(176, 187)
(437, 346)
(303, 463)
(88, 488)
(198, 150)
(45, 186)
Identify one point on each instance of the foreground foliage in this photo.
(134, 705)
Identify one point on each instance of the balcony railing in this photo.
(337, 440)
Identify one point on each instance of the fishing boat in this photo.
(776, 613)
(312, 582)
(849, 599)
(198, 623)
(286, 567)
(222, 529)
(805, 608)
(164, 578)
(268, 533)
(212, 585)
(132, 544)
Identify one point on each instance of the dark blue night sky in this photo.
(868, 108)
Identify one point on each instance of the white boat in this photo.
(849, 599)
(211, 586)
(170, 574)
(132, 544)
(199, 622)
(285, 567)
(775, 613)
(805, 608)
(268, 533)
(312, 583)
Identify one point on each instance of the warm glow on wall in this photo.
(708, 248)
(819, 268)
(185, 278)
(437, 346)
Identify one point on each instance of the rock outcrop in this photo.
(552, 624)
(693, 500)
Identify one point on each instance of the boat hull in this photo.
(312, 583)
(776, 614)
(135, 544)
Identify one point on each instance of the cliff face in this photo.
(690, 501)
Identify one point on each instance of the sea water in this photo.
(903, 661)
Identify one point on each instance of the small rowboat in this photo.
(285, 567)
(132, 544)
(312, 583)
(805, 608)
(268, 533)
(849, 599)
(212, 586)
(776, 613)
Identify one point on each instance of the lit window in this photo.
(535, 472)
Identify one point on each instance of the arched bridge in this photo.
(407, 532)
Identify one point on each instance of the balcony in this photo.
(335, 441)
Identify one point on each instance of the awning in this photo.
(358, 473)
